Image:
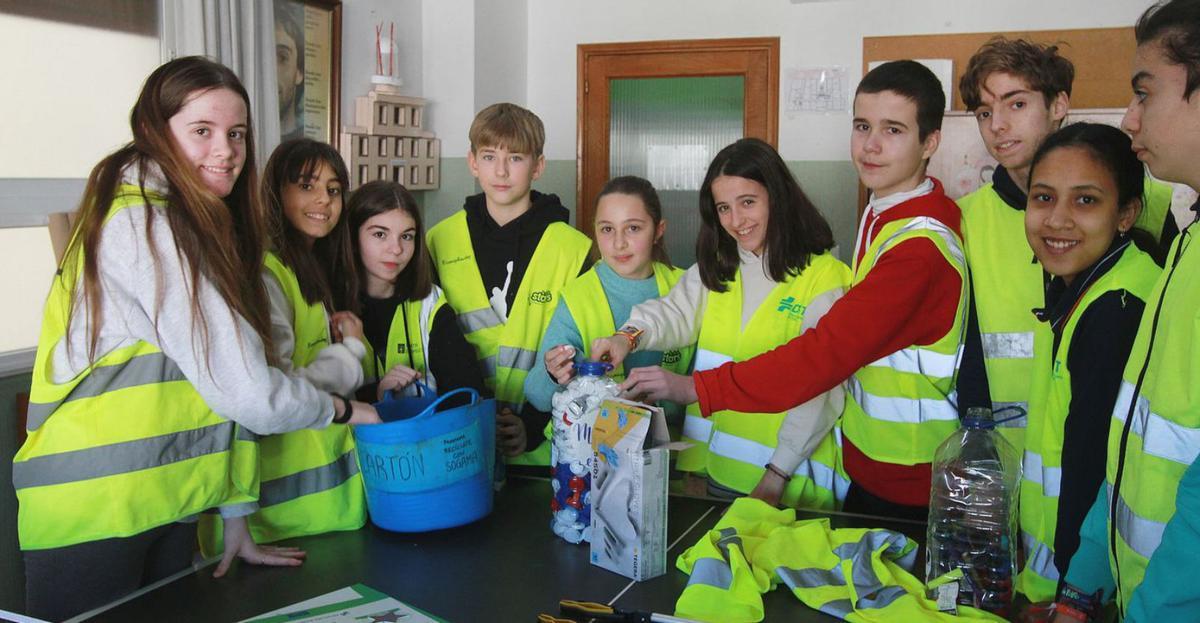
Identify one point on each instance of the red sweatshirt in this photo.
(909, 297)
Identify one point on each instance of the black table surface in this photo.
(505, 567)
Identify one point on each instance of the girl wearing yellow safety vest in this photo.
(634, 267)
(411, 333)
(1085, 190)
(152, 341)
(309, 478)
(763, 276)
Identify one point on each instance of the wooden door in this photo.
(756, 60)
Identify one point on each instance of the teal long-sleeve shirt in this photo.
(1168, 592)
(622, 295)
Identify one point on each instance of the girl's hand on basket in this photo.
(397, 378)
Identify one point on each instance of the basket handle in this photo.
(440, 399)
(390, 395)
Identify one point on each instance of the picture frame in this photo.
(308, 54)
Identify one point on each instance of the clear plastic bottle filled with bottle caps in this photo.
(973, 513)
(572, 416)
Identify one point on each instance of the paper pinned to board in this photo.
(352, 604)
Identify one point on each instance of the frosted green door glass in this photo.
(667, 130)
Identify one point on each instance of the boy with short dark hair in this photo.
(1141, 535)
(1020, 92)
(501, 261)
(907, 304)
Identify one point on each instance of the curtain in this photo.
(239, 34)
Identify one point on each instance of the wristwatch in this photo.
(347, 410)
(632, 334)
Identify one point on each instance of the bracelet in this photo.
(347, 410)
(771, 467)
(632, 334)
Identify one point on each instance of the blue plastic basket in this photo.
(426, 470)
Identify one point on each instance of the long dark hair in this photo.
(641, 188)
(220, 239)
(292, 161)
(1111, 149)
(415, 282)
(795, 229)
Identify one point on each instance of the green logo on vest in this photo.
(401, 349)
(794, 310)
(455, 260)
(671, 357)
(541, 296)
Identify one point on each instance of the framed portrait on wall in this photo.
(308, 56)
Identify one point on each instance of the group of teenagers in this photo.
(209, 335)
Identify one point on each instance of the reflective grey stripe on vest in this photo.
(902, 410)
(1039, 558)
(871, 592)
(479, 320)
(516, 358)
(917, 360)
(1011, 414)
(1141, 534)
(121, 458)
(309, 481)
(140, 370)
(1160, 437)
(757, 455)
(711, 572)
(927, 223)
(697, 428)
(245, 434)
(1050, 478)
(1016, 345)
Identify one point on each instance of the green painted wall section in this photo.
(831, 185)
(12, 570)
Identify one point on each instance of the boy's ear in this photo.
(931, 144)
(1059, 106)
(539, 167)
(471, 164)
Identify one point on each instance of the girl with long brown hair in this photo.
(154, 344)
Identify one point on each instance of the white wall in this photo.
(448, 47)
(68, 92)
(811, 34)
(501, 59)
(359, 18)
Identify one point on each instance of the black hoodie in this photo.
(495, 246)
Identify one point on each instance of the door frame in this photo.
(756, 59)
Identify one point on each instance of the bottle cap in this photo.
(978, 418)
(593, 368)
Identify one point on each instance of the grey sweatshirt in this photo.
(230, 372)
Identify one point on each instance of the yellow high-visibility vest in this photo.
(127, 445)
(733, 447)
(507, 350)
(1134, 275)
(899, 409)
(1164, 430)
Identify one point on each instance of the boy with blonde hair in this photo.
(501, 261)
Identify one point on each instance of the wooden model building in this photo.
(389, 142)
